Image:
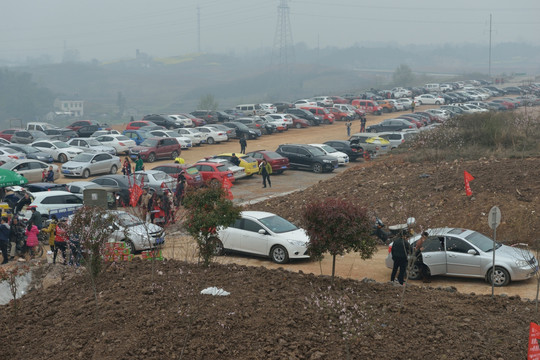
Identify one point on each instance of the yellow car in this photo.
(249, 164)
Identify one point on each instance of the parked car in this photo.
(80, 123)
(8, 133)
(370, 143)
(396, 138)
(59, 150)
(324, 100)
(391, 125)
(263, 234)
(353, 151)
(87, 130)
(155, 148)
(307, 157)
(210, 116)
(121, 143)
(27, 136)
(304, 114)
(468, 253)
(190, 173)
(44, 186)
(238, 171)
(184, 141)
(155, 180)
(31, 152)
(387, 106)
(121, 182)
(429, 99)
(137, 233)
(281, 106)
(269, 108)
(136, 125)
(286, 119)
(224, 117)
(91, 145)
(195, 120)
(278, 163)
(87, 164)
(78, 187)
(211, 135)
(31, 169)
(341, 115)
(250, 165)
(162, 120)
(230, 132)
(213, 172)
(304, 102)
(7, 154)
(54, 200)
(321, 112)
(243, 130)
(369, 106)
(193, 135)
(181, 121)
(341, 157)
(257, 124)
(60, 134)
(105, 132)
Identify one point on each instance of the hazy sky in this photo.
(112, 29)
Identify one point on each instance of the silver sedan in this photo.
(87, 164)
(30, 169)
(91, 145)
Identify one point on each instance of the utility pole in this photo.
(198, 29)
(489, 69)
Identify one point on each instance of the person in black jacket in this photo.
(243, 144)
(4, 238)
(400, 251)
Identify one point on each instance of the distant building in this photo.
(69, 105)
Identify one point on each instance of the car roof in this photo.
(43, 194)
(257, 214)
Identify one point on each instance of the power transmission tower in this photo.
(198, 29)
(283, 51)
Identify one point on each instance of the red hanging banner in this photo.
(534, 348)
(468, 178)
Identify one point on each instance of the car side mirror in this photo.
(262, 231)
(472, 252)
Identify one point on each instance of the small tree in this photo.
(403, 75)
(92, 227)
(207, 210)
(338, 227)
(208, 102)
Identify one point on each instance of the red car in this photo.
(323, 113)
(279, 163)
(214, 172)
(339, 100)
(369, 106)
(338, 114)
(136, 125)
(196, 121)
(7, 134)
(81, 123)
(298, 122)
(192, 175)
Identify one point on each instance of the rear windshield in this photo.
(222, 168)
(122, 137)
(273, 155)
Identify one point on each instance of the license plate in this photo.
(133, 156)
(229, 175)
(188, 145)
(159, 241)
(346, 161)
(335, 166)
(283, 167)
(65, 171)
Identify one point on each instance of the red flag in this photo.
(227, 185)
(534, 348)
(135, 194)
(468, 178)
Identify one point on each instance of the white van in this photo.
(40, 126)
(251, 109)
(432, 87)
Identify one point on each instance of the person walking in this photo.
(126, 167)
(139, 164)
(419, 259)
(363, 124)
(180, 189)
(60, 240)
(4, 238)
(413, 105)
(243, 144)
(36, 218)
(265, 169)
(16, 237)
(51, 230)
(31, 238)
(348, 125)
(400, 250)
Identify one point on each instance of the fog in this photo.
(113, 29)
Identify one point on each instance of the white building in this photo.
(75, 107)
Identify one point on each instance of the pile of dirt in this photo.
(269, 314)
(434, 194)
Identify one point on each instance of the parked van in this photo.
(40, 126)
(432, 87)
(251, 109)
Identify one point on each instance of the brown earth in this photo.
(278, 313)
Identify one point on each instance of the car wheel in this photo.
(298, 125)
(279, 254)
(151, 157)
(317, 167)
(414, 273)
(218, 247)
(502, 277)
(174, 154)
(114, 169)
(86, 173)
(210, 140)
(62, 158)
(130, 246)
(437, 103)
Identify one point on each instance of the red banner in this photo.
(468, 178)
(227, 185)
(135, 194)
(534, 348)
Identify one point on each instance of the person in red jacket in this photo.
(60, 240)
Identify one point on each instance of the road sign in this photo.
(494, 217)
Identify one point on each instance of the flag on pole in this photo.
(468, 178)
(534, 349)
(135, 194)
(227, 185)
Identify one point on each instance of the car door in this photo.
(434, 255)
(304, 158)
(101, 163)
(161, 148)
(36, 171)
(231, 237)
(251, 241)
(458, 260)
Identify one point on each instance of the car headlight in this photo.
(296, 242)
(522, 263)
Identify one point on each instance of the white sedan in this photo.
(429, 99)
(263, 234)
(121, 143)
(212, 135)
(90, 145)
(286, 118)
(182, 120)
(195, 136)
(341, 157)
(184, 141)
(304, 102)
(59, 150)
(135, 232)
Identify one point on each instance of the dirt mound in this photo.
(269, 314)
(434, 194)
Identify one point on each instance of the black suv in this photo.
(354, 151)
(243, 130)
(305, 114)
(162, 120)
(307, 157)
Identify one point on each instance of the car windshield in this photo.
(149, 143)
(128, 220)
(481, 241)
(83, 157)
(93, 142)
(278, 224)
(329, 149)
(315, 151)
(60, 144)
